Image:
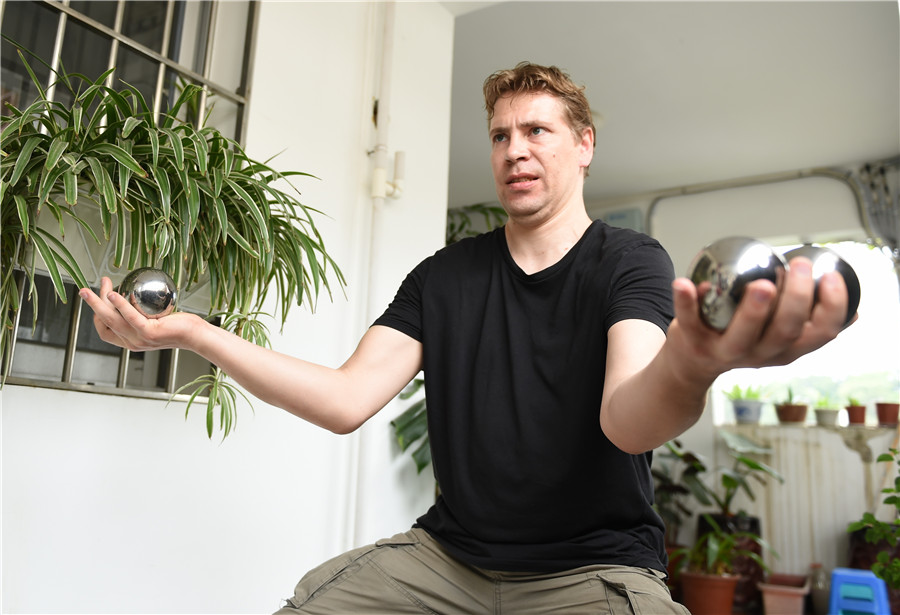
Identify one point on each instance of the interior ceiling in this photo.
(690, 92)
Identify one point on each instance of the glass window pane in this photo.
(84, 51)
(228, 57)
(137, 70)
(33, 26)
(145, 23)
(103, 11)
(223, 115)
(189, 33)
(41, 346)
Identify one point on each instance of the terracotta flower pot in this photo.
(708, 594)
(785, 594)
(887, 413)
(791, 413)
(856, 415)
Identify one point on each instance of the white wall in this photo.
(120, 505)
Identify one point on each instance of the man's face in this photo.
(538, 163)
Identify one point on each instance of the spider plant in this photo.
(171, 194)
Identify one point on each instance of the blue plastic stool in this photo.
(857, 592)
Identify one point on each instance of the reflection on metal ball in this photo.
(825, 260)
(151, 291)
(728, 265)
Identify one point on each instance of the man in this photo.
(553, 367)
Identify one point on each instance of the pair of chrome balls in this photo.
(731, 263)
(151, 291)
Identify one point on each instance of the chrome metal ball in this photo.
(728, 265)
(825, 260)
(151, 291)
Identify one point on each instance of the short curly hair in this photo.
(533, 78)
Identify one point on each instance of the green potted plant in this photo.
(790, 410)
(826, 412)
(720, 491)
(747, 403)
(856, 411)
(167, 193)
(881, 536)
(708, 578)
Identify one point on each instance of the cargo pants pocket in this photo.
(332, 573)
(641, 591)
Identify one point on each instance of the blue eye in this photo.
(498, 138)
(537, 130)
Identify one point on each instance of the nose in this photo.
(517, 148)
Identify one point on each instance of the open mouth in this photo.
(521, 179)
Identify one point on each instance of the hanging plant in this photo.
(181, 197)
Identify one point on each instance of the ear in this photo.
(586, 148)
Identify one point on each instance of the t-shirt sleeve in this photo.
(642, 286)
(404, 313)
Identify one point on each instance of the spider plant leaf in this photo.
(221, 218)
(218, 179)
(37, 82)
(154, 146)
(137, 236)
(104, 184)
(255, 213)
(48, 184)
(131, 122)
(22, 208)
(165, 191)
(24, 157)
(70, 186)
(177, 147)
(65, 258)
(210, 404)
(57, 147)
(201, 149)
(140, 106)
(229, 162)
(52, 266)
(243, 243)
(121, 156)
(87, 227)
(119, 253)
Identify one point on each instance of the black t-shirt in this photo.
(514, 367)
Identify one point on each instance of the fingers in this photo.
(113, 316)
(769, 327)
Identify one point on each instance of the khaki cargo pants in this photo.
(411, 573)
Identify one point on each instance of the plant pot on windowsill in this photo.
(887, 413)
(747, 411)
(856, 414)
(826, 417)
(794, 414)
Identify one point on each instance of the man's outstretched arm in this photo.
(656, 384)
(338, 399)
